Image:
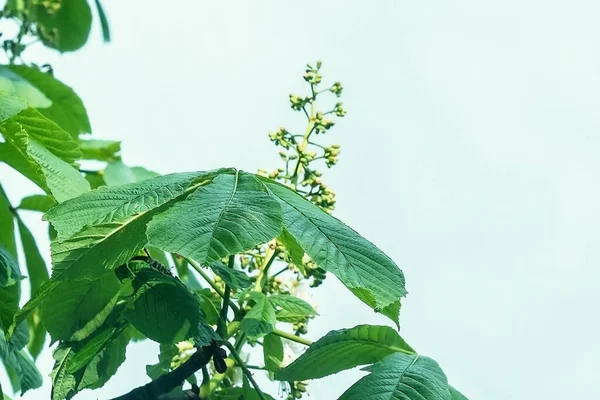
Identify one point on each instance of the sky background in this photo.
(469, 155)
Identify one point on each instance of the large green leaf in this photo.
(78, 307)
(109, 204)
(260, 320)
(231, 214)
(344, 349)
(401, 377)
(289, 308)
(370, 274)
(42, 151)
(163, 308)
(52, 98)
(63, 25)
(116, 173)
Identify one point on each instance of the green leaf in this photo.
(185, 273)
(64, 385)
(209, 303)
(165, 355)
(25, 374)
(76, 308)
(109, 204)
(7, 227)
(10, 288)
(296, 252)
(103, 22)
(37, 202)
(249, 393)
(116, 173)
(44, 153)
(101, 150)
(64, 25)
(163, 308)
(231, 214)
(370, 274)
(401, 377)
(236, 280)
(89, 348)
(272, 352)
(52, 98)
(9, 269)
(343, 349)
(291, 309)
(260, 320)
(456, 395)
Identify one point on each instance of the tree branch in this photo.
(159, 388)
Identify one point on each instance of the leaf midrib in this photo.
(233, 192)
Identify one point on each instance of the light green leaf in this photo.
(260, 320)
(231, 214)
(296, 252)
(371, 275)
(76, 308)
(401, 377)
(116, 173)
(272, 352)
(64, 25)
(289, 308)
(209, 303)
(57, 101)
(163, 308)
(37, 202)
(64, 385)
(43, 152)
(456, 395)
(236, 280)
(101, 150)
(343, 349)
(110, 204)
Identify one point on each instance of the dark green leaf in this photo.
(236, 280)
(37, 202)
(7, 227)
(165, 355)
(260, 320)
(401, 377)
(36, 267)
(231, 214)
(25, 375)
(163, 309)
(344, 349)
(101, 150)
(103, 22)
(10, 289)
(52, 98)
(371, 275)
(272, 352)
(250, 393)
(210, 304)
(289, 308)
(66, 28)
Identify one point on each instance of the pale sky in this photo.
(469, 155)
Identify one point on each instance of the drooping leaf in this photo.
(101, 150)
(371, 275)
(103, 22)
(25, 375)
(236, 280)
(43, 152)
(76, 308)
(10, 288)
(296, 252)
(272, 352)
(52, 98)
(289, 308)
(231, 214)
(116, 173)
(401, 377)
(260, 319)
(109, 204)
(163, 308)
(165, 355)
(9, 269)
(64, 25)
(456, 395)
(343, 349)
(37, 202)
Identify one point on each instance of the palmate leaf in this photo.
(370, 274)
(52, 98)
(232, 214)
(344, 349)
(401, 377)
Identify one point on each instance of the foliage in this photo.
(118, 231)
